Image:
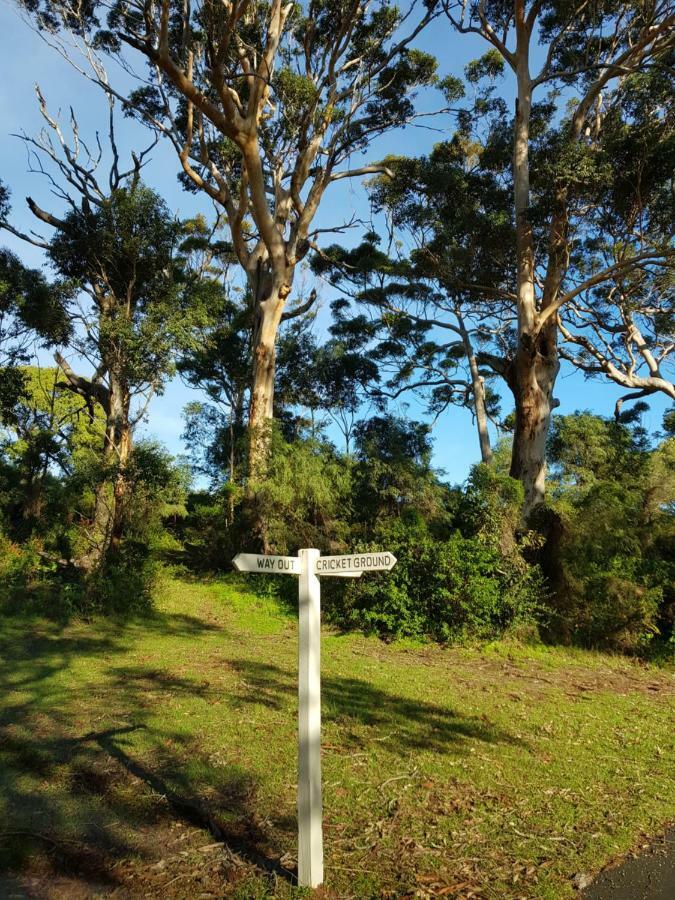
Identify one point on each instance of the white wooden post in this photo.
(310, 836)
(308, 564)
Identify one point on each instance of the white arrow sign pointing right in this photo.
(355, 563)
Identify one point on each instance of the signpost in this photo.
(256, 562)
(309, 564)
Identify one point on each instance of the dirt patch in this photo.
(536, 680)
(649, 875)
(187, 864)
(174, 861)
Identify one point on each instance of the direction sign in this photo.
(308, 565)
(355, 563)
(257, 562)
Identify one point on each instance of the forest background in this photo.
(590, 565)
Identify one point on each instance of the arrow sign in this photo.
(355, 564)
(308, 565)
(257, 562)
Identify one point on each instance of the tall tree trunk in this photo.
(121, 490)
(478, 390)
(34, 498)
(535, 367)
(102, 524)
(120, 429)
(112, 493)
(267, 318)
(534, 373)
(267, 314)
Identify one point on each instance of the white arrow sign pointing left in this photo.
(257, 562)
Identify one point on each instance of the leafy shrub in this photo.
(610, 530)
(448, 589)
(210, 534)
(123, 587)
(17, 564)
(305, 498)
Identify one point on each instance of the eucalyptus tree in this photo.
(265, 104)
(625, 333)
(217, 361)
(116, 246)
(623, 329)
(590, 54)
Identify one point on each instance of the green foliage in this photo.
(123, 586)
(448, 590)
(28, 301)
(47, 509)
(306, 496)
(28, 304)
(393, 477)
(123, 253)
(209, 536)
(490, 65)
(298, 95)
(461, 573)
(610, 526)
(48, 433)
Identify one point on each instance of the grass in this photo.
(497, 772)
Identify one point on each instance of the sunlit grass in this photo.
(502, 770)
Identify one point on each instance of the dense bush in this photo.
(47, 496)
(611, 529)
(595, 567)
(460, 573)
(448, 589)
(305, 500)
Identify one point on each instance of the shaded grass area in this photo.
(157, 758)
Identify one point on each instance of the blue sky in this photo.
(26, 59)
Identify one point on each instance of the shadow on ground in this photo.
(353, 703)
(93, 789)
(79, 802)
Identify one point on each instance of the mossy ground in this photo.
(158, 758)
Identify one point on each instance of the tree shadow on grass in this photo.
(354, 703)
(80, 799)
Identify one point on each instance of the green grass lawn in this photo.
(129, 753)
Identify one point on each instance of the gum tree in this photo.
(439, 287)
(588, 51)
(623, 329)
(265, 104)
